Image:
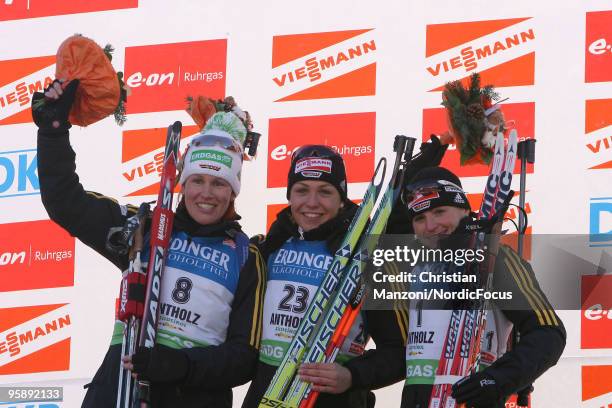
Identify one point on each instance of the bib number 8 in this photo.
(182, 287)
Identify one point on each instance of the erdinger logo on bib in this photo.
(313, 167)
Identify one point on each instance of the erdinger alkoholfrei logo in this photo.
(598, 130)
(324, 65)
(162, 76)
(41, 260)
(435, 122)
(502, 51)
(19, 79)
(600, 222)
(35, 339)
(18, 173)
(598, 52)
(352, 135)
(21, 9)
(596, 320)
(142, 159)
(596, 385)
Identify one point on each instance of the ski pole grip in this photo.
(522, 398)
(251, 142)
(399, 144)
(526, 150)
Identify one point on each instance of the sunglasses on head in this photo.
(227, 143)
(422, 190)
(313, 151)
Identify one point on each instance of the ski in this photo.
(141, 326)
(347, 302)
(461, 348)
(286, 371)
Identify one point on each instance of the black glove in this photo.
(431, 155)
(479, 390)
(160, 364)
(49, 114)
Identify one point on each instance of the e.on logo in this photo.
(352, 135)
(435, 122)
(598, 52)
(142, 159)
(502, 51)
(20, 9)
(35, 255)
(35, 339)
(19, 79)
(162, 76)
(598, 130)
(596, 385)
(324, 65)
(596, 320)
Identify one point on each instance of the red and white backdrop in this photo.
(348, 74)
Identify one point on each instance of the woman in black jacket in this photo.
(208, 333)
(298, 250)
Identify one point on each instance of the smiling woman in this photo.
(211, 285)
(298, 251)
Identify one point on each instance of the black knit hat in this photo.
(434, 187)
(318, 163)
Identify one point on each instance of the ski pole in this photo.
(526, 154)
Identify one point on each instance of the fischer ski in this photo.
(346, 305)
(287, 370)
(349, 291)
(142, 318)
(461, 352)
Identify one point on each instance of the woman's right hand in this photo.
(50, 109)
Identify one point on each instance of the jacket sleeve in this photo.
(542, 334)
(386, 364)
(233, 362)
(85, 215)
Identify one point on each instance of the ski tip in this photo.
(177, 126)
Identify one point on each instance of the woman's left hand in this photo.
(331, 378)
(128, 365)
(159, 364)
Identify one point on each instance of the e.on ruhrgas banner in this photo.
(324, 65)
(35, 339)
(142, 159)
(596, 320)
(19, 79)
(40, 260)
(598, 130)
(162, 76)
(520, 116)
(598, 53)
(502, 51)
(596, 385)
(352, 135)
(21, 9)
